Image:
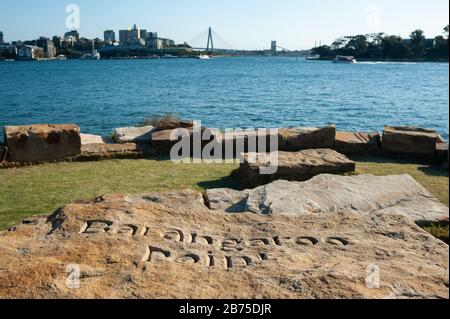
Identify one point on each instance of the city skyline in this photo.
(249, 25)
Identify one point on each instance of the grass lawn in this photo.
(42, 189)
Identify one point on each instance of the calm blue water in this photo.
(234, 92)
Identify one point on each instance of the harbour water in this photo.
(226, 92)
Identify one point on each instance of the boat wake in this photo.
(387, 63)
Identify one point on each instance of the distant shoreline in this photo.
(244, 56)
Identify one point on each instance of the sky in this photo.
(244, 24)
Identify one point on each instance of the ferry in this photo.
(344, 59)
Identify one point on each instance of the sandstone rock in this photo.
(358, 143)
(410, 140)
(162, 142)
(297, 139)
(87, 139)
(172, 246)
(442, 152)
(39, 143)
(174, 124)
(108, 151)
(138, 135)
(332, 194)
(298, 166)
(237, 142)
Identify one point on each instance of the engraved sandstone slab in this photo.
(333, 194)
(170, 245)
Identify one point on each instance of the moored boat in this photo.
(314, 57)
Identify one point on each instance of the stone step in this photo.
(298, 166)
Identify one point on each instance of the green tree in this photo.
(446, 29)
(358, 46)
(417, 38)
(339, 43)
(324, 51)
(440, 49)
(395, 48)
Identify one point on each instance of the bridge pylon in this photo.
(210, 43)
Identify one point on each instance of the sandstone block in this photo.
(410, 141)
(40, 143)
(297, 139)
(298, 166)
(138, 135)
(358, 143)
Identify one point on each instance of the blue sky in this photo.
(249, 24)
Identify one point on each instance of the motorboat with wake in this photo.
(203, 57)
(344, 59)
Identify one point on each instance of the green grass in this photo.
(42, 189)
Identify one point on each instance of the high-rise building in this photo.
(133, 36)
(1, 37)
(109, 36)
(72, 35)
(57, 42)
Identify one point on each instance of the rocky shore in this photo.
(305, 231)
(32, 144)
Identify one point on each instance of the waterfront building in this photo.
(156, 43)
(134, 36)
(57, 42)
(71, 38)
(7, 51)
(48, 46)
(72, 35)
(30, 52)
(109, 36)
(1, 37)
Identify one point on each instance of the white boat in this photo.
(314, 57)
(344, 59)
(203, 57)
(95, 55)
(169, 56)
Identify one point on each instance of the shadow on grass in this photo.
(434, 171)
(233, 181)
(391, 159)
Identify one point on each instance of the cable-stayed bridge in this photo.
(210, 41)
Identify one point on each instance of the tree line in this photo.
(380, 46)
